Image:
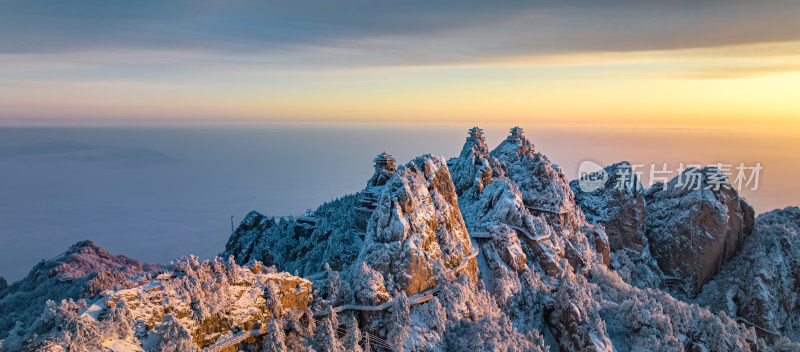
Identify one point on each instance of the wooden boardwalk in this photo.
(421, 297)
(528, 234)
(232, 339)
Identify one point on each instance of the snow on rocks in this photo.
(543, 185)
(760, 286)
(417, 221)
(695, 223)
(620, 207)
(82, 272)
(552, 276)
(185, 307)
(474, 168)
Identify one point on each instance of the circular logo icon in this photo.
(591, 176)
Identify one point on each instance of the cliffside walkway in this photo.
(232, 339)
(528, 234)
(480, 235)
(421, 297)
(229, 340)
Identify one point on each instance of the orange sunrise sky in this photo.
(706, 64)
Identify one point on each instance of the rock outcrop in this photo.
(474, 168)
(618, 204)
(207, 298)
(761, 284)
(417, 222)
(304, 248)
(695, 223)
(543, 185)
(537, 236)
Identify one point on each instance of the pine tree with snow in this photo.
(337, 291)
(174, 337)
(232, 270)
(325, 334)
(353, 336)
(120, 319)
(401, 321)
(271, 297)
(275, 339)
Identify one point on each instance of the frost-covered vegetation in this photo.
(187, 305)
(761, 284)
(82, 272)
(299, 248)
(493, 250)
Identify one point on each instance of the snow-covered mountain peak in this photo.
(490, 250)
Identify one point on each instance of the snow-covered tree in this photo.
(401, 321)
(325, 334)
(336, 290)
(272, 301)
(368, 285)
(274, 341)
(174, 337)
(120, 320)
(353, 336)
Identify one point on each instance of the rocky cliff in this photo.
(532, 236)
(331, 237)
(417, 222)
(491, 250)
(619, 205)
(474, 168)
(543, 185)
(695, 223)
(760, 285)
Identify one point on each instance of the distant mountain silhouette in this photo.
(75, 151)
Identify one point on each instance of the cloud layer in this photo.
(390, 32)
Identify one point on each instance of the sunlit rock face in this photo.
(694, 227)
(761, 284)
(474, 168)
(417, 221)
(618, 205)
(545, 275)
(543, 185)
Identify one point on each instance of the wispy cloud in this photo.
(740, 71)
(400, 60)
(320, 32)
